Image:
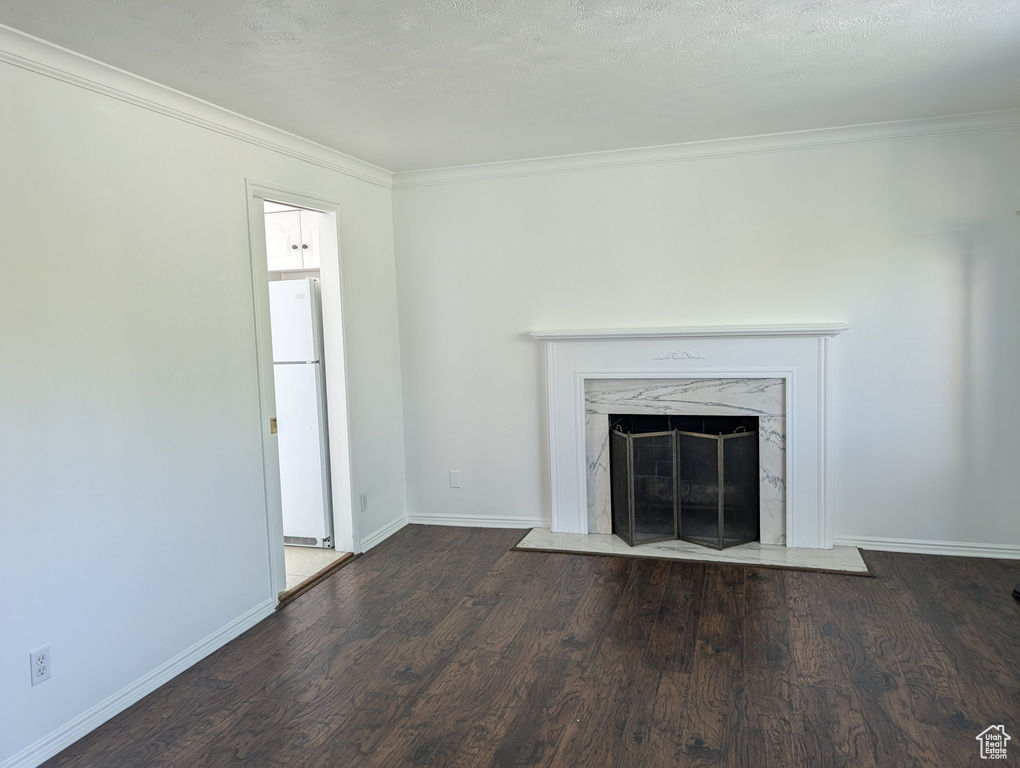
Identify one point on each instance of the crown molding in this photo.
(44, 58)
(703, 150)
(35, 55)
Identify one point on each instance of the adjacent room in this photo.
(578, 276)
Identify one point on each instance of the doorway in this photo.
(321, 261)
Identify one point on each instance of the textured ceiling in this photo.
(410, 84)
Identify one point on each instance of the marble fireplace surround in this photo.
(762, 398)
(779, 373)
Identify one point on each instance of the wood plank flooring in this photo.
(441, 647)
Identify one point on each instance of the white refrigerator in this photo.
(296, 320)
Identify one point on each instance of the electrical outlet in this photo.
(455, 478)
(364, 502)
(40, 659)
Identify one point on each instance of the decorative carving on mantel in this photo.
(680, 354)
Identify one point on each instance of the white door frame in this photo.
(337, 416)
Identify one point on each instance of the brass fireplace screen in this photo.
(681, 484)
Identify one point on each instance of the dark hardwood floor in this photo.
(442, 647)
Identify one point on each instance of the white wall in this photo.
(132, 516)
(913, 242)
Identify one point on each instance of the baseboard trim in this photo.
(931, 547)
(480, 521)
(379, 536)
(66, 735)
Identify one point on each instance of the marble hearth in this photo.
(836, 560)
(781, 374)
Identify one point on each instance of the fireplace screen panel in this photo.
(644, 505)
(741, 509)
(699, 488)
(654, 483)
(619, 460)
(694, 486)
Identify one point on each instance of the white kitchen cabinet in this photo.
(292, 240)
(310, 239)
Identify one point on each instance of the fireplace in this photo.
(704, 406)
(781, 374)
(693, 478)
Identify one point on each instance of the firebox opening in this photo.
(689, 477)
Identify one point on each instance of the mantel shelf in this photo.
(826, 330)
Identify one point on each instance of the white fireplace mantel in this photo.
(800, 355)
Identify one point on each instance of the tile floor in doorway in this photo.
(304, 562)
